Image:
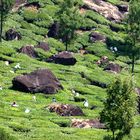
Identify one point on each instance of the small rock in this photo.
(43, 45)
(113, 67)
(94, 36)
(29, 50)
(12, 34)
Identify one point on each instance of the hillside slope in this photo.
(94, 49)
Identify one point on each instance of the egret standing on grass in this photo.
(27, 110)
(53, 100)
(17, 66)
(75, 93)
(86, 103)
(7, 63)
(34, 98)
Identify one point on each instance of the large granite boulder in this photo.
(94, 36)
(12, 34)
(64, 58)
(43, 45)
(65, 109)
(104, 8)
(29, 50)
(81, 123)
(42, 80)
(112, 67)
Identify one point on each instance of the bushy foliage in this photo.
(69, 19)
(133, 30)
(119, 108)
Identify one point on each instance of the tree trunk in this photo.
(1, 20)
(133, 63)
(66, 43)
(113, 134)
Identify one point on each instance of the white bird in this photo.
(76, 94)
(7, 63)
(111, 48)
(73, 91)
(53, 100)
(27, 110)
(115, 49)
(34, 98)
(85, 103)
(17, 66)
(12, 71)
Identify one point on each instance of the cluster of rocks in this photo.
(65, 109)
(30, 49)
(108, 65)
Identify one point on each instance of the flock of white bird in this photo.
(16, 67)
(76, 94)
(27, 110)
(114, 49)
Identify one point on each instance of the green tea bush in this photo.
(96, 17)
(19, 127)
(5, 135)
(59, 46)
(100, 49)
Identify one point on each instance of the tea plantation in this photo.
(32, 20)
